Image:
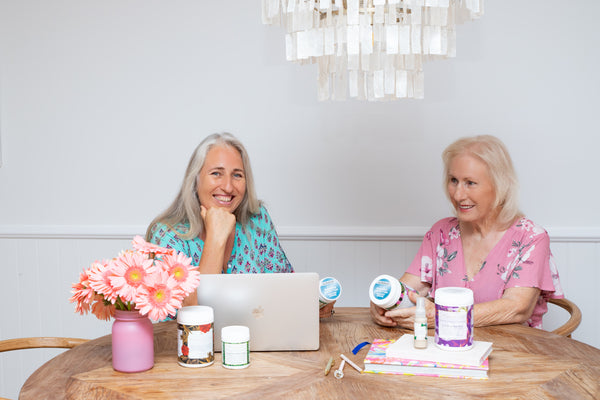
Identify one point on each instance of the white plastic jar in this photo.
(389, 293)
(454, 318)
(235, 340)
(195, 335)
(330, 290)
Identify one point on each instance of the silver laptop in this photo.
(281, 310)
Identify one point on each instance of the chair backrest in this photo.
(38, 343)
(568, 327)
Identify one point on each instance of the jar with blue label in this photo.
(389, 293)
(330, 290)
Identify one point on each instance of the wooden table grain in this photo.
(526, 364)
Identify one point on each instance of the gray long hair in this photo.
(186, 206)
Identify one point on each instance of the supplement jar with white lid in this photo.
(236, 346)
(195, 335)
(454, 318)
(389, 293)
(330, 290)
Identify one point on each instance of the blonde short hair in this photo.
(186, 206)
(492, 152)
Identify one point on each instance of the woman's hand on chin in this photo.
(218, 222)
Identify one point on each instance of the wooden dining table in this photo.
(526, 363)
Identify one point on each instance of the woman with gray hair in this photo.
(216, 218)
(489, 247)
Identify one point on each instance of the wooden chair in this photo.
(38, 343)
(568, 327)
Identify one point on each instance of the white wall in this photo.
(101, 104)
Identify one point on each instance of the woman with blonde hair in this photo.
(489, 247)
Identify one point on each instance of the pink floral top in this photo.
(521, 258)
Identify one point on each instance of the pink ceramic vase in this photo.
(132, 342)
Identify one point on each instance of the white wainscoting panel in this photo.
(37, 270)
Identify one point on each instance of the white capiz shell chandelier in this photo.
(370, 49)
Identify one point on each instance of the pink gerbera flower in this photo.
(99, 276)
(142, 246)
(179, 267)
(102, 309)
(159, 296)
(83, 295)
(151, 279)
(129, 272)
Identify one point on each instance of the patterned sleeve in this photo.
(271, 254)
(531, 262)
(167, 237)
(422, 264)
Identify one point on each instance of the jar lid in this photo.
(454, 296)
(195, 315)
(383, 288)
(330, 288)
(235, 334)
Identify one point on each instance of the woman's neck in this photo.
(478, 230)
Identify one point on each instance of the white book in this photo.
(404, 348)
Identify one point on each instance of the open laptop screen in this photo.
(281, 310)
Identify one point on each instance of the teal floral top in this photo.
(256, 247)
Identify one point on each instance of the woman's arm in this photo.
(219, 226)
(514, 307)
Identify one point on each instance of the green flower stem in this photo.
(120, 305)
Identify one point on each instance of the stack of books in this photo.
(401, 358)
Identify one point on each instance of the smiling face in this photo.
(471, 190)
(222, 180)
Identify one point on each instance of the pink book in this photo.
(377, 362)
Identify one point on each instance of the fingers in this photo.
(216, 213)
(378, 315)
(412, 295)
(218, 221)
(326, 311)
(430, 311)
(403, 317)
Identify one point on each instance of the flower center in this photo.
(134, 277)
(178, 273)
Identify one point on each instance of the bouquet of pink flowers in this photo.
(152, 279)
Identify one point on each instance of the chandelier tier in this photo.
(370, 49)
